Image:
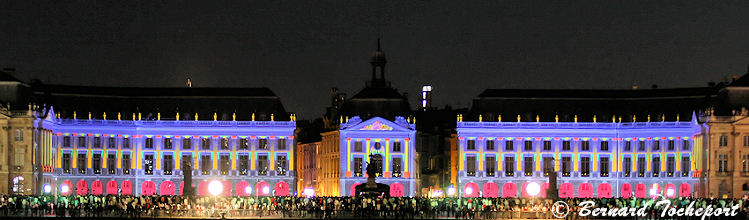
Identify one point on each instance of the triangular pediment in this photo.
(50, 115)
(377, 124)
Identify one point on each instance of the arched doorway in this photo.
(262, 189)
(685, 190)
(626, 191)
(148, 188)
(282, 189)
(544, 188)
(167, 188)
(127, 187)
(566, 190)
(112, 187)
(66, 188)
(353, 189)
(670, 190)
(585, 190)
(396, 190)
(641, 191)
(81, 188)
(654, 190)
(471, 189)
(18, 184)
(97, 188)
(491, 190)
(509, 190)
(604, 190)
(376, 161)
(723, 189)
(182, 188)
(203, 188)
(244, 189)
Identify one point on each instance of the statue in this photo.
(371, 188)
(187, 174)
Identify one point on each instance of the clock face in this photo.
(377, 146)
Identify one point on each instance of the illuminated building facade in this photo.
(307, 162)
(387, 145)
(593, 159)
(138, 157)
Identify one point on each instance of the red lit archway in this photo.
(396, 190)
(626, 191)
(566, 190)
(491, 190)
(641, 190)
(353, 189)
(654, 190)
(182, 188)
(509, 190)
(112, 187)
(227, 188)
(148, 188)
(685, 190)
(544, 188)
(203, 188)
(282, 189)
(604, 190)
(244, 189)
(262, 189)
(670, 191)
(585, 190)
(66, 188)
(97, 188)
(127, 187)
(524, 190)
(81, 188)
(167, 188)
(471, 189)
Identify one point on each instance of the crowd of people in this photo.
(314, 207)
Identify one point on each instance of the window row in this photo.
(395, 146)
(529, 145)
(395, 169)
(584, 166)
(186, 143)
(167, 162)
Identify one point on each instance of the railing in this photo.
(571, 124)
(172, 123)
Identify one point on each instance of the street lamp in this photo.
(215, 187)
(451, 191)
(47, 188)
(533, 189)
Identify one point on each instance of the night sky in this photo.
(300, 49)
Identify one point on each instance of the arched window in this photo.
(745, 187)
(18, 184)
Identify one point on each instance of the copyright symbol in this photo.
(560, 209)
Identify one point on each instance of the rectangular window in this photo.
(656, 166)
(746, 140)
(566, 166)
(671, 145)
(528, 166)
(126, 143)
(168, 162)
(566, 146)
(509, 166)
(96, 163)
(723, 141)
(471, 166)
(745, 163)
(244, 144)
(509, 146)
(126, 163)
(19, 135)
(604, 146)
(81, 163)
(82, 142)
(111, 143)
(206, 164)
(585, 146)
(225, 144)
(262, 144)
(656, 145)
(358, 166)
(585, 166)
(471, 145)
(628, 146)
(686, 166)
(186, 143)
(205, 143)
(66, 162)
(641, 147)
(262, 165)
(111, 163)
(490, 166)
(225, 164)
(281, 144)
(604, 167)
(397, 163)
(490, 145)
(627, 166)
(641, 164)
(66, 141)
(148, 164)
(358, 146)
(528, 146)
(723, 163)
(97, 142)
(548, 165)
(396, 146)
(167, 143)
(685, 145)
(149, 143)
(547, 145)
(244, 164)
(670, 166)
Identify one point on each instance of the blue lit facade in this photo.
(391, 144)
(99, 156)
(592, 159)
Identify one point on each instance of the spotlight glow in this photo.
(451, 191)
(309, 192)
(47, 188)
(469, 190)
(266, 190)
(215, 187)
(670, 192)
(533, 189)
(248, 190)
(65, 188)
